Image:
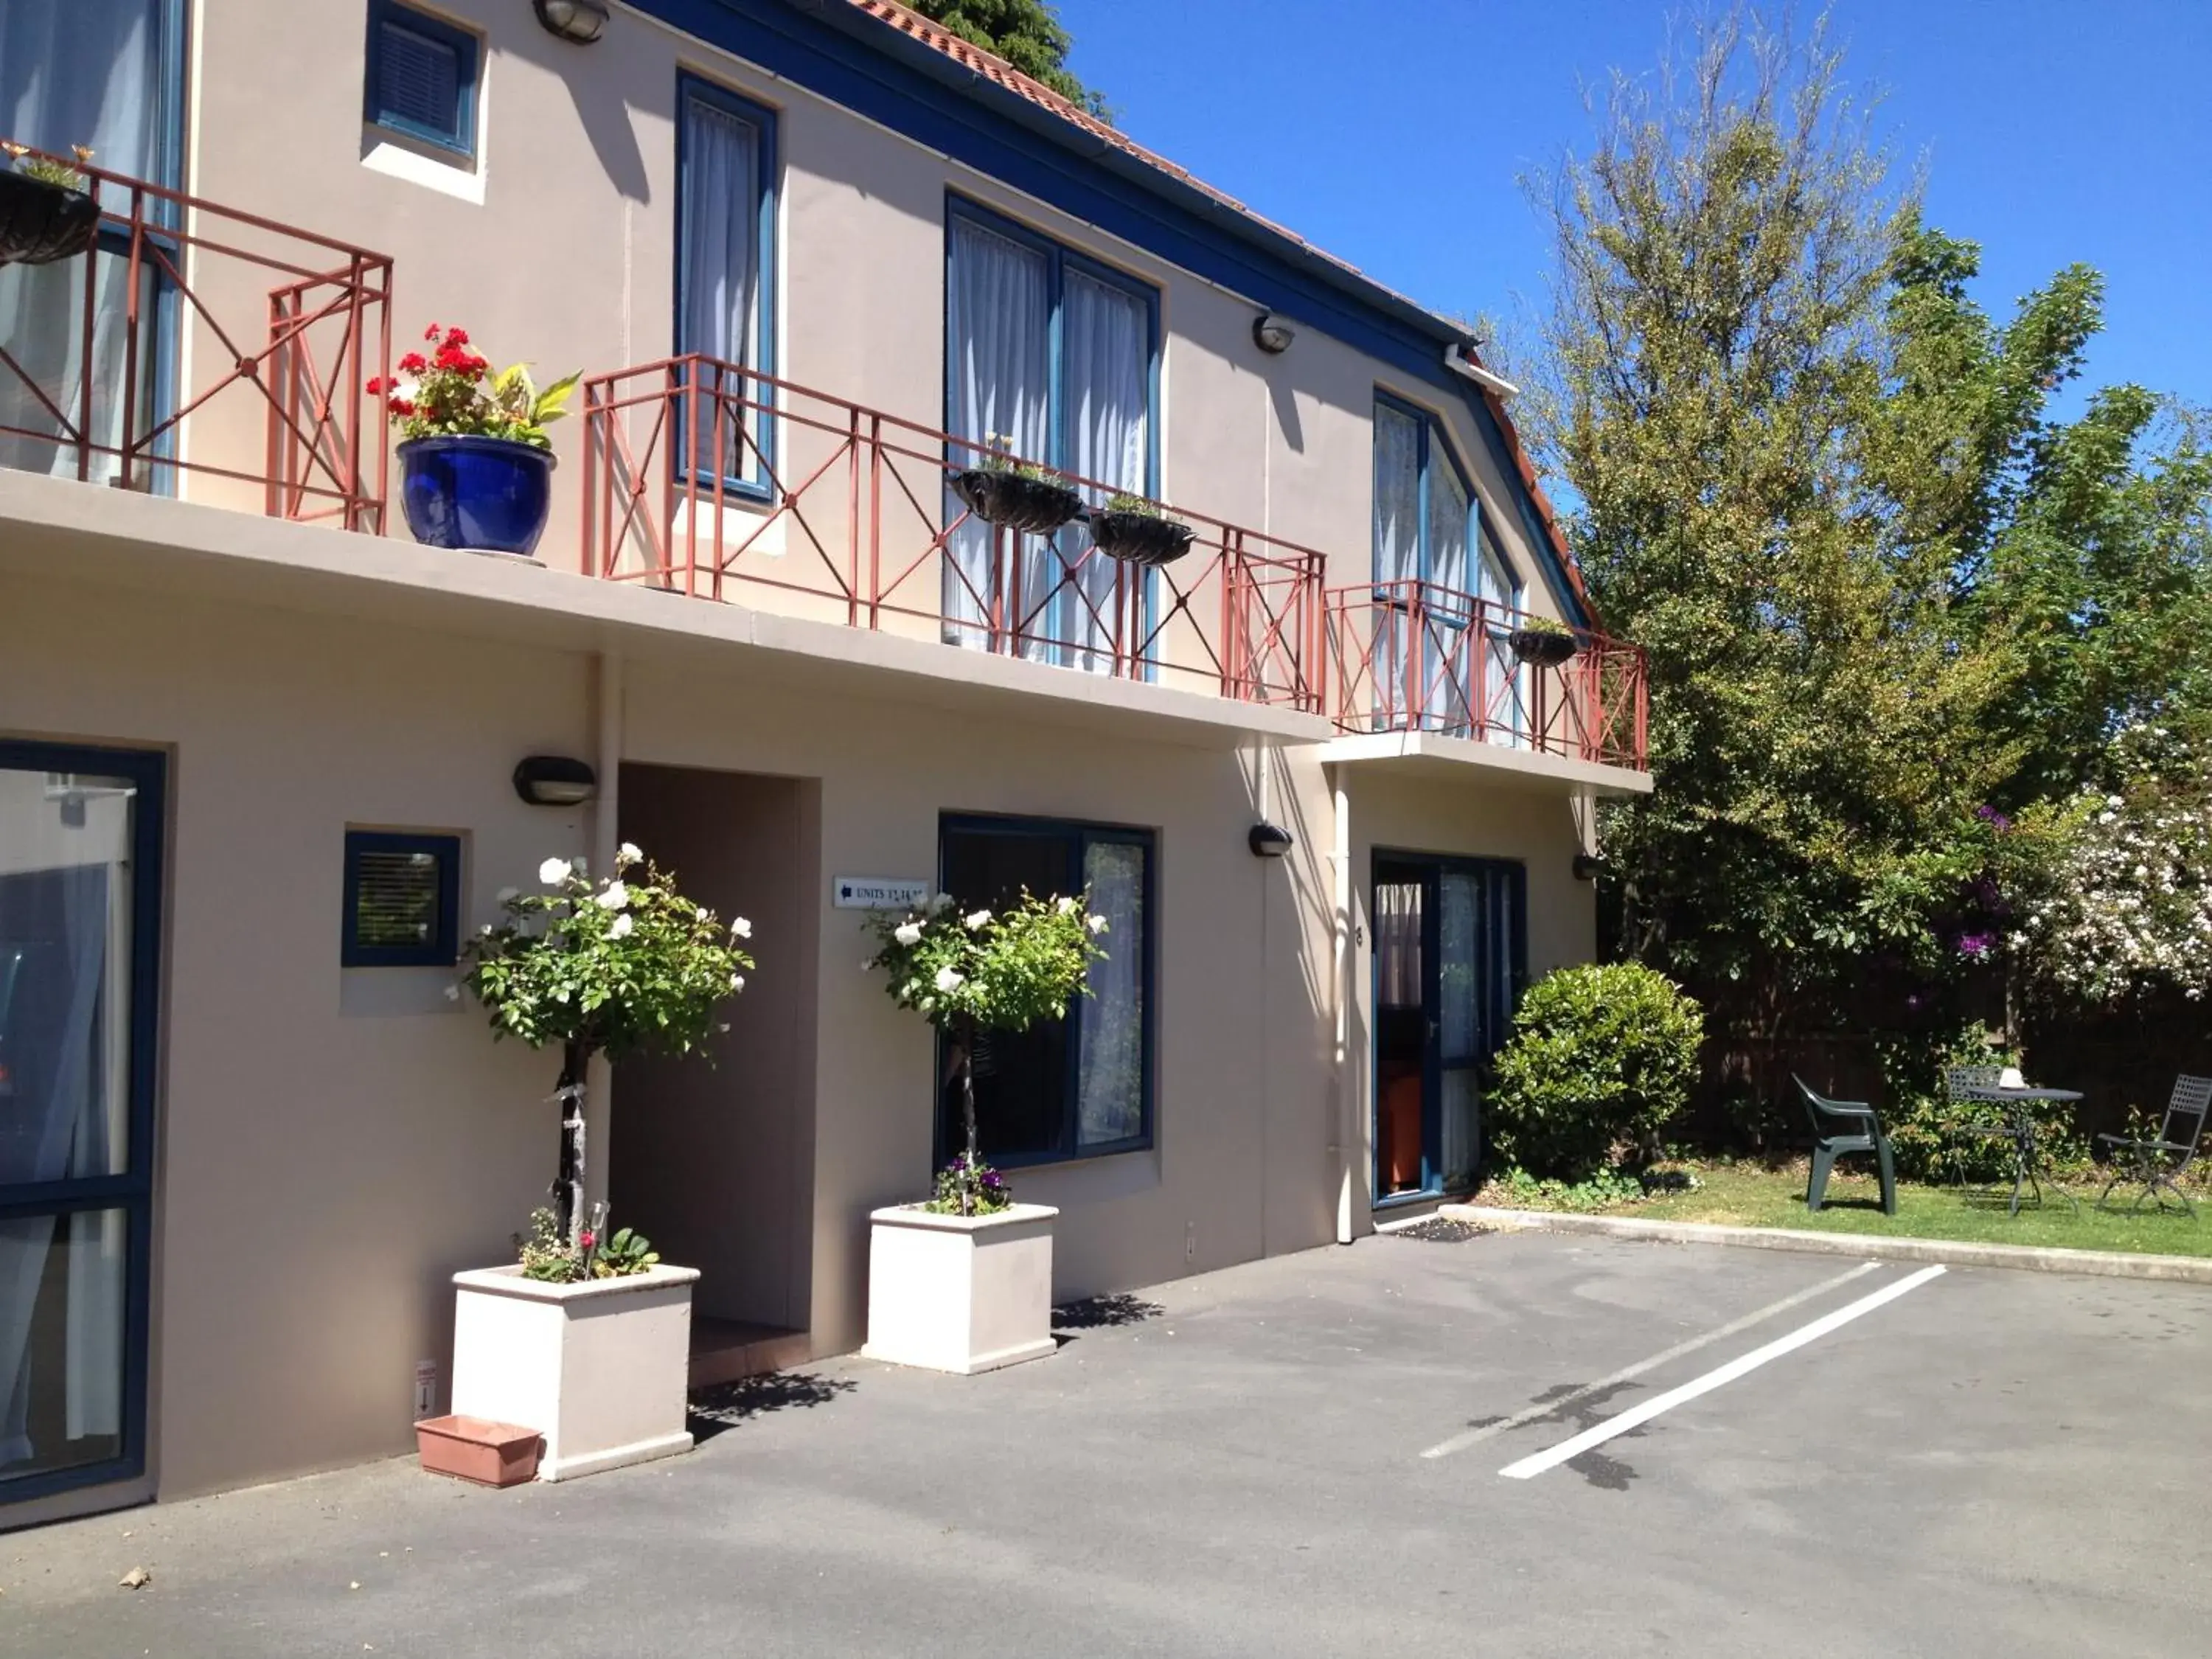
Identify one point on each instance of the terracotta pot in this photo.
(1036, 506)
(474, 1448)
(41, 223)
(1139, 537)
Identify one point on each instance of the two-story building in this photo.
(264, 759)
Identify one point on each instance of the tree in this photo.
(1027, 34)
(1715, 362)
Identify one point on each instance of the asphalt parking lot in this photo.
(1303, 1457)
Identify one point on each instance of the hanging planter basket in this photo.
(1541, 647)
(40, 223)
(1139, 537)
(1036, 506)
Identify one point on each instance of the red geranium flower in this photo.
(587, 1238)
(413, 363)
(458, 337)
(375, 384)
(431, 332)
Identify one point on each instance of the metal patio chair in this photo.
(1841, 1127)
(1969, 1090)
(2158, 1164)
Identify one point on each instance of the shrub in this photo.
(1929, 1132)
(1599, 1057)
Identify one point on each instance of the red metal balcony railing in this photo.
(705, 478)
(197, 350)
(1411, 656)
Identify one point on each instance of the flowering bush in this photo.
(2123, 898)
(454, 394)
(982, 971)
(549, 1255)
(622, 967)
(966, 1189)
(50, 172)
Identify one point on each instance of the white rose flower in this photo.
(947, 980)
(553, 872)
(614, 898)
(1095, 924)
(622, 924)
(942, 902)
(627, 853)
(907, 933)
(1064, 905)
(740, 928)
(976, 919)
(737, 982)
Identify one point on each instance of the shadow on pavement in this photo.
(716, 1409)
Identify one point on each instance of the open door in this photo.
(1450, 959)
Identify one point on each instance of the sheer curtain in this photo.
(998, 324)
(1504, 689)
(1110, 1098)
(1454, 643)
(88, 72)
(1106, 357)
(1397, 551)
(721, 283)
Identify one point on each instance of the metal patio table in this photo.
(2029, 1159)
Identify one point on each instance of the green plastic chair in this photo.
(1841, 1127)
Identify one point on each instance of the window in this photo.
(1436, 570)
(403, 900)
(422, 77)
(725, 259)
(1081, 1086)
(1057, 355)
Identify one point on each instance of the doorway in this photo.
(713, 1155)
(1450, 959)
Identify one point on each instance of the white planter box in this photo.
(597, 1368)
(960, 1293)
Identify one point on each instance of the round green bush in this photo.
(1599, 1057)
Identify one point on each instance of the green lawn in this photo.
(1748, 1194)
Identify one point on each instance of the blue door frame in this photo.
(1495, 976)
(132, 1190)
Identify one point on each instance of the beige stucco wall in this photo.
(564, 257)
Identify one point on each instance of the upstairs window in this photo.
(422, 77)
(724, 242)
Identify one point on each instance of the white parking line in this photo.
(1530, 1466)
(1475, 1437)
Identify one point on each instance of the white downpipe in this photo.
(1347, 1139)
(606, 761)
(1456, 360)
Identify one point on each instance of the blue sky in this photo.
(1392, 131)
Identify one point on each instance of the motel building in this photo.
(813, 257)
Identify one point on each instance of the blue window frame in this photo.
(726, 266)
(403, 900)
(1081, 1086)
(1061, 354)
(421, 79)
(80, 999)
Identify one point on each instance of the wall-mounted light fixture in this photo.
(1589, 868)
(1272, 334)
(554, 780)
(1267, 841)
(577, 21)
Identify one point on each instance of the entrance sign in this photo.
(878, 893)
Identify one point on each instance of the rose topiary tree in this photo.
(625, 966)
(1600, 1056)
(982, 971)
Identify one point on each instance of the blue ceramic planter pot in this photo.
(488, 495)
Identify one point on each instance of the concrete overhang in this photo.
(1433, 757)
(60, 529)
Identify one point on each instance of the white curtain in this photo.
(999, 322)
(1397, 552)
(1503, 679)
(721, 281)
(1110, 1099)
(86, 72)
(1106, 357)
(64, 1123)
(1398, 944)
(1453, 644)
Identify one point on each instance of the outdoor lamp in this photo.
(578, 20)
(1268, 841)
(1272, 334)
(554, 780)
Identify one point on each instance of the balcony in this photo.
(1416, 657)
(704, 478)
(200, 352)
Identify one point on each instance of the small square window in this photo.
(422, 77)
(403, 900)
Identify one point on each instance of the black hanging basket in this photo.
(1036, 505)
(1541, 647)
(41, 223)
(1139, 537)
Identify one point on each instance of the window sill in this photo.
(414, 161)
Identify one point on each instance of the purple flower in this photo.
(991, 1180)
(1990, 815)
(1975, 945)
